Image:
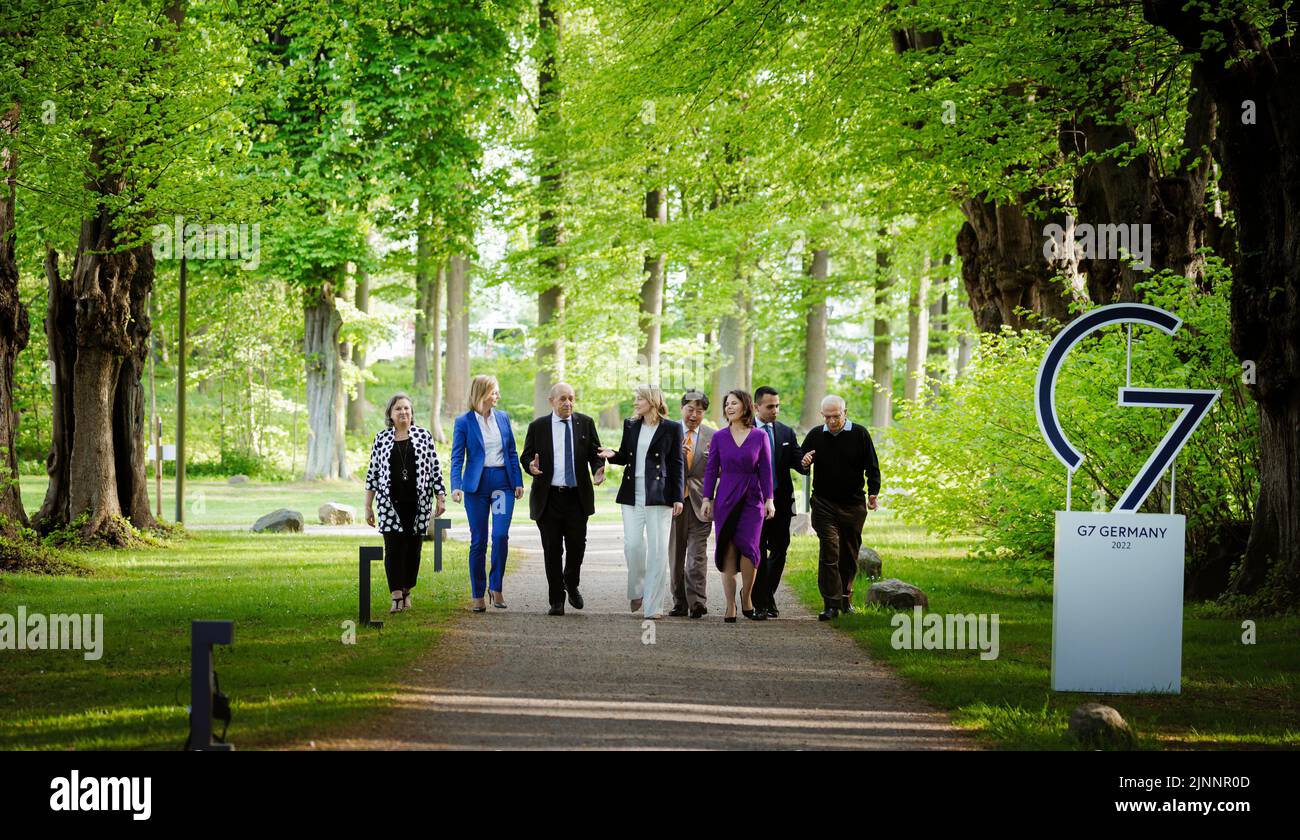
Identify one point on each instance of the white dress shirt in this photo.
(493, 455)
(643, 449)
(848, 424)
(771, 438)
(557, 448)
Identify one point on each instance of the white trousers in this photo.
(645, 547)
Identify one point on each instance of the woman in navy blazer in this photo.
(650, 495)
(485, 473)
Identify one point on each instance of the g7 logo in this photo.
(1195, 404)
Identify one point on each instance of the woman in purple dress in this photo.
(740, 463)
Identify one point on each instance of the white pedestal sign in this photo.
(1117, 603)
(1117, 608)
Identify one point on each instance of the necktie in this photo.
(771, 439)
(690, 458)
(569, 480)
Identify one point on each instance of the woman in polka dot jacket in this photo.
(405, 477)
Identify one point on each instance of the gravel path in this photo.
(520, 679)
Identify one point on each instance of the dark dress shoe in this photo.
(747, 613)
(677, 612)
(556, 609)
(827, 614)
(698, 611)
(773, 612)
(757, 614)
(846, 608)
(575, 598)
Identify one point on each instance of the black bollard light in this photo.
(369, 554)
(375, 554)
(205, 693)
(439, 526)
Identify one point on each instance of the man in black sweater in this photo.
(844, 456)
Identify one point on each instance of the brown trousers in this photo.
(688, 549)
(839, 532)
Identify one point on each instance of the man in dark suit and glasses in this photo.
(786, 456)
(560, 453)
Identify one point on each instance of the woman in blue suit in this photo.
(485, 473)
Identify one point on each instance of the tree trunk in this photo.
(936, 357)
(129, 441)
(435, 341)
(1000, 245)
(882, 345)
(550, 229)
(61, 332)
(814, 348)
(652, 290)
(98, 332)
(550, 349)
(715, 375)
(14, 328)
(1130, 189)
(965, 347)
(357, 405)
(735, 346)
(751, 345)
(423, 280)
(457, 337)
(918, 332)
(1241, 64)
(325, 393)
(221, 427)
(1003, 268)
(93, 474)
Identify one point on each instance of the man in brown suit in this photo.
(689, 539)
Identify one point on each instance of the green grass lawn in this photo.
(289, 673)
(1233, 696)
(211, 501)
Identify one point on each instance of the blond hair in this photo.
(479, 388)
(655, 397)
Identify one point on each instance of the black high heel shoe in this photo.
(729, 619)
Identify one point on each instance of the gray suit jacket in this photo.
(695, 472)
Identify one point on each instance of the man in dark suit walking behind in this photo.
(786, 456)
(561, 454)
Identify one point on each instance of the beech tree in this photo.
(120, 157)
(1247, 60)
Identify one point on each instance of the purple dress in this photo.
(744, 482)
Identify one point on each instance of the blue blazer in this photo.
(467, 452)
